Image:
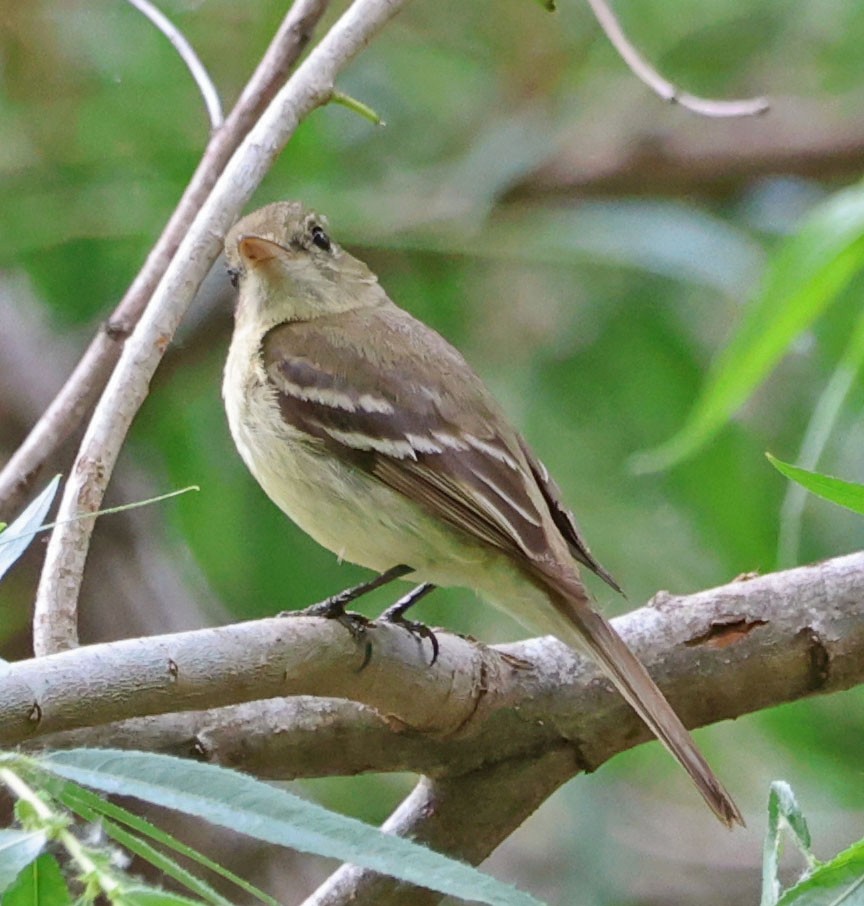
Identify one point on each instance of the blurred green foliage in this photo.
(508, 203)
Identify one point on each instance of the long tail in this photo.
(593, 632)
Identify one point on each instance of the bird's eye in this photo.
(320, 238)
(234, 276)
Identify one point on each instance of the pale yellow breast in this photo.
(345, 510)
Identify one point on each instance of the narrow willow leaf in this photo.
(16, 539)
(843, 493)
(92, 807)
(807, 274)
(246, 805)
(163, 863)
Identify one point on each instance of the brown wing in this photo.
(564, 519)
(448, 449)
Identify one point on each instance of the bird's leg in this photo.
(333, 608)
(396, 614)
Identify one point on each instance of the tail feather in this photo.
(634, 683)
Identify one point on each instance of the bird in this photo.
(375, 436)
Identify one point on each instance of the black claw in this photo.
(367, 656)
(420, 631)
(396, 615)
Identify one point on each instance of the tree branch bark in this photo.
(55, 616)
(78, 395)
(717, 654)
(526, 716)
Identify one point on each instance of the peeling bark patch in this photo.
(820, 660)
(482, 680)
(395, 724)
(725, 632)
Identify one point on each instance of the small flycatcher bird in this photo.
(377, 438)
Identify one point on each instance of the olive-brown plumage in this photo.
(372, 432)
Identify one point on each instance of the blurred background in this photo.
(589, 248)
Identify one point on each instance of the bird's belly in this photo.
(363, 521)
(347, 511)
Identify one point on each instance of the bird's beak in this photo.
(256, 249)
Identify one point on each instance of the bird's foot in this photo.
(396, 615)
(333, 608)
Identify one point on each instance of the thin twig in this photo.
(364, 110)
(643, 71)
(188, 56)
(78, 395)
(55, 615)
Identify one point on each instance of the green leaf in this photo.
(243, 804)
(783, 812)
(41, 883)
(839, 882)
(17, 537)
(94, 808)
(843, 493)
(18, 848)
(803, 279)
(163, 863)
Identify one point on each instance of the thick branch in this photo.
(526, 731)
(311, 85)
(717, 654)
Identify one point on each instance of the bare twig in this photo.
(662, 87)
(188, 56)
(55, 616)
(79, 393)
